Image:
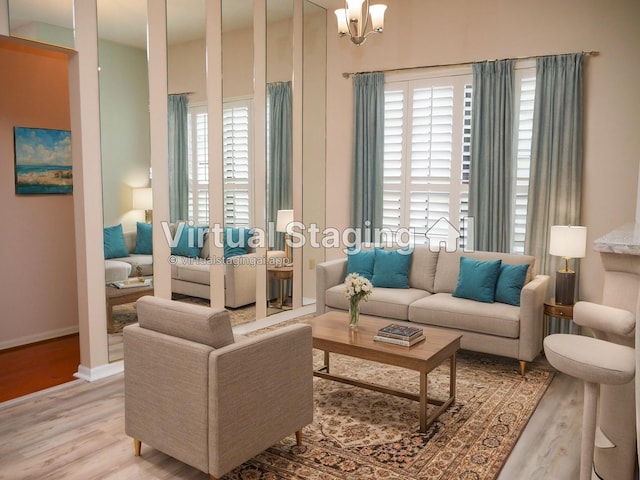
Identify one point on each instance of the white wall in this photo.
(428, 32)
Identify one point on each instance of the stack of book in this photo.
(400, 335)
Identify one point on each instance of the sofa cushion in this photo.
(422, 272)
(191, 270)
(190, 240)
(361, 262)
(510, 283)
(449, 265)
(477, 280)
(391, 268)
(236, 241)
(383, 302)
(114, 245)
(445, 310)
(144, 239)
(195, 323)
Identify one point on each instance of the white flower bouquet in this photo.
(356, 288)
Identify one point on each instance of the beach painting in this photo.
(43, 161)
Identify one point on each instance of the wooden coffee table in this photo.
(331, 334)
(122, 296)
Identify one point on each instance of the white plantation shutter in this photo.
(427, 155)
(237, 162)
(422, 150)
(524, 128)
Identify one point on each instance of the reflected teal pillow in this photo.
(144, 239)
(236, 241)
(391, 268)
(190, 241)
(510, 283)
(114, 246)
(477, 280)
(361, 262)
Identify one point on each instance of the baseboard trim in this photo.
(98, 373)
(38, 337)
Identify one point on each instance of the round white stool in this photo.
(595, 362)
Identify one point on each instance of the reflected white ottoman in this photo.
(115, 271)
(595, 362)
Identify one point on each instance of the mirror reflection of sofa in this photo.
(190, 263)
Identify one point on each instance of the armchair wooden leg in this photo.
(136, 446)
(211, 477)
(523, 367)
(299, 437)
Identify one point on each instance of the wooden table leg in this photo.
(452, 378)
(423, 402)
(110, 326)
(326, 361)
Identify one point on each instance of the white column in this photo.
(296, 121)
(158, 119)
(4, 17)
(87, 191)
(214, 111)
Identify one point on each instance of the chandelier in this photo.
(350, 20)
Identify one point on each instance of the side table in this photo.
(557, 310)
(281, 274)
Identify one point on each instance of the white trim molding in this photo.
(100, 372)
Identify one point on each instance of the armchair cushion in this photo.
(195, 323)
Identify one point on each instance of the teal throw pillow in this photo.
(144, 239)
(189, 241)
(114, 246)
(236, 241)
(510, 283)
(391, 268)
(361, 262)
(477, 280)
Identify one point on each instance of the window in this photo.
(427, 155)
(237, 161)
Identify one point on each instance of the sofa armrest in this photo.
(328, 274)
(532, 300)
(604, 318)
(260, 391)
(240, 280)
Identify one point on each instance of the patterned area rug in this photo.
(124, 315)
(360, 434)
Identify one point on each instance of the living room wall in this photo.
(39, 295)
(431, 32)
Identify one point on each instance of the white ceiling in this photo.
(124, 21)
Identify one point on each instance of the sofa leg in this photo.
(299, 437)
(137, 444)
(211, 477)
(523, 367)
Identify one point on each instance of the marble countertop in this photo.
(625, 240)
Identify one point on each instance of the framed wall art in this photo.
(43, 161)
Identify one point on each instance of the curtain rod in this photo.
(459, 64)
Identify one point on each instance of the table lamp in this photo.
(283, 220)
(142, 200)
(567, 241)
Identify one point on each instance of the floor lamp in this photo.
(567, 241)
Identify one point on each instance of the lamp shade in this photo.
(568, 241)
(142, 199)
(377, 17)
(284, 218)
(343, 24)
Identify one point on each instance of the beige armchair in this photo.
(211, 401)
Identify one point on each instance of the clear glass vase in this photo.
(354, 313)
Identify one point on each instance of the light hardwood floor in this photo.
(76, 431)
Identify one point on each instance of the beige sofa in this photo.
(198, 394)
(496, 328)
(190, 276)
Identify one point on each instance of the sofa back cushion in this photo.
(195, 323)
(423, 268)
(448, 266)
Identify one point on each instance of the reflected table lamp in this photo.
(283, 220)
(567, 241)
(143, 200)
